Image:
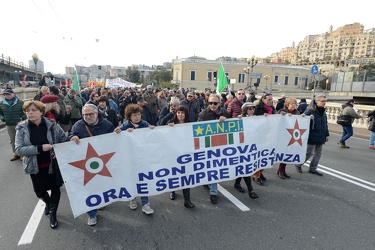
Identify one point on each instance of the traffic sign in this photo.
(255, 75)
(314, 69)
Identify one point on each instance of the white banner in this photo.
(118, 83)
(118, 167)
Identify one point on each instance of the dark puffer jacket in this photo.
(318, 125)
(11, 114)
(208, 114)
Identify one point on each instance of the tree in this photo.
(161, 76)
(133, 74)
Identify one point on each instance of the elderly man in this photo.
(11, 113)
(318, 135)
(193, 106)
(152, 103)
(213, 112)
(92, 124)
(74, 101)
(44, 90)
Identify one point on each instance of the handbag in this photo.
(344, 120)
(371, 123)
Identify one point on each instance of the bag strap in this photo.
(88, 130)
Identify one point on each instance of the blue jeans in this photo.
(372, 138)
(213, 188)
(92, 212)
(144, 200)
(347, 133)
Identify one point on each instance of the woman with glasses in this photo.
(214, 111)
(264, 107)
(248, 109)
(290, 108)
(35, 138)
(93, 98)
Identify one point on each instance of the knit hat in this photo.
(49, 98)
(140, 99)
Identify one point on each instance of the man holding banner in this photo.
(214, 112)
(91, 125)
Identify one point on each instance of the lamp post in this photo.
(36, 59)
(252, 61)
(266, 77)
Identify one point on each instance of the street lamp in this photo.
(252, 61)
(36, 59)
(266, 77)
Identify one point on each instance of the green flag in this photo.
(75, 85)
(222, 81)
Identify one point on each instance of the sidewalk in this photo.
(358, 132)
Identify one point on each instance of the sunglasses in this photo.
(252, 108)
(212, 103)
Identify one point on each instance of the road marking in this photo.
(347, 178)
(233, 199)
(32, 225)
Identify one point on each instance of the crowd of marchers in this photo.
(57, 115)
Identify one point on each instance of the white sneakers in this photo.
(133, 204)
(147, 209)
(92, 220)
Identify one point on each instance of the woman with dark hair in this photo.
(133, 116)
(181, 116)
(248, 109)
(35, 138)
(106, 112)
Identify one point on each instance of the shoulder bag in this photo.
(344, 120)
(371, 123)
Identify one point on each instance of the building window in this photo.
(241, 78)
(209, 76)
(296, 80)
(286, 80)
(192, 75)
(276, 80)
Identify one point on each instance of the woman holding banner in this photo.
(133, 115)
(35, 138)
(181, 116)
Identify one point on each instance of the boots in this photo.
(249, 186)
(187, 203)
(55, 198)
(46, 200)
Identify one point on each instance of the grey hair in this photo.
(89, 105)
(229, 96)
(317, 98)
(215, 95)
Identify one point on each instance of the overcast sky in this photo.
(122, 33)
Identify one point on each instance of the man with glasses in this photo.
(213, 112)
(193, 106)
(318, 134)
(234, 107)
(11, 113)
(92, 124)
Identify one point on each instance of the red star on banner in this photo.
(93, 164)
(296, 134)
